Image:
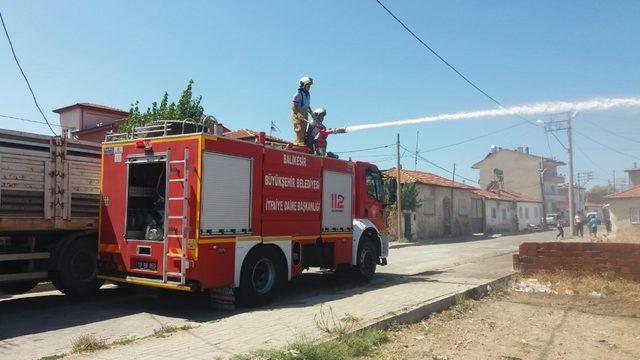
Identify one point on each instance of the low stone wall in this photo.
(622, 260)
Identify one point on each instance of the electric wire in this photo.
(15, 57)
(611, 132)
(361, 150)
(472, 138)
(438, 55)
(441, 167)
(31, 121)
(605, 145)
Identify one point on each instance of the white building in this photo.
(509, 211)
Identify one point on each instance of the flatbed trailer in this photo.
(49, 203)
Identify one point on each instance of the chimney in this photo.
(494, 149)
(520, 149)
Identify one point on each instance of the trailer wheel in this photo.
(77, 271)
(20, 287)
(366, 266)
(261, 277)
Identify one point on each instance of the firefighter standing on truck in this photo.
(300, 110)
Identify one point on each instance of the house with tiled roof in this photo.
(507, 211)
(624, 209)
(519, 170)
(447, 207)
(89, 122)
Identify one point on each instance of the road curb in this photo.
(421, 311)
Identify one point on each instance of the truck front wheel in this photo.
(76, 272)
(366, 266)
(261, 277)
(20, 287)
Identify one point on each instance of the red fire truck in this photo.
(198, 211)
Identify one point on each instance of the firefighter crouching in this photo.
(300, 110)
(317, 133)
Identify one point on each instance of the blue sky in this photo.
(246, 57)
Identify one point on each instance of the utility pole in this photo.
(614, 181)
(398, 197)
(415, 165)
(453, 181)
(544, 203)
(570, 117)
(551, 126)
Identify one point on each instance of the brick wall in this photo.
(622, 260)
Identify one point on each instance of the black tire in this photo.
(261, 277)
(367, 261)
(76, 272)
(20, 287)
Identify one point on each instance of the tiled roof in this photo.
(504, 195)
(633, 192)
(410, 176)
(245, 134)
(91, 106)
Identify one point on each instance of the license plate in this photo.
(146, 265)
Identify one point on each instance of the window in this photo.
(493, 213)
(535, 212)
(634, 216)
(504, 214)
(375, 186)
(526, 213)
(520, 212)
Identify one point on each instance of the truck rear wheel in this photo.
(76, 273)
(366, 266)
(261, 277)
(19, 287)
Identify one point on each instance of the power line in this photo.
(559, 142)
(611, 132)
(440, 167)
(361, 150)
(32, 121)
(605, 145)
(588, 157)
(549, 146)
(23, 74)
(438, 55)
(473, 138)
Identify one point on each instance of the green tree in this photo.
(186, 108)
(409, 194)
(598, 191)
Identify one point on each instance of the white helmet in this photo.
(319, 112)
(306, 81)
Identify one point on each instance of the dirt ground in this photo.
(516, 325)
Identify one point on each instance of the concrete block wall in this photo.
(622, 260)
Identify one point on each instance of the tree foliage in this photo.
(598, 191)
(186, 108)
(409, 194)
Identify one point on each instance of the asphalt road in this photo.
(46, 323)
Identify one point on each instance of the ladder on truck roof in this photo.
(182, 231)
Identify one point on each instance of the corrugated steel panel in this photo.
(226, 194)
(337, 201)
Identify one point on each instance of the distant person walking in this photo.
(593, 225)
(560, 228)
(578, 222)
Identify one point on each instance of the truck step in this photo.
(174, 274)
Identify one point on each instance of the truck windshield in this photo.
(375, 186)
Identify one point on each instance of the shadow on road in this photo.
(52, 311)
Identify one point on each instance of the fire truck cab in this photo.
(197, 211)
